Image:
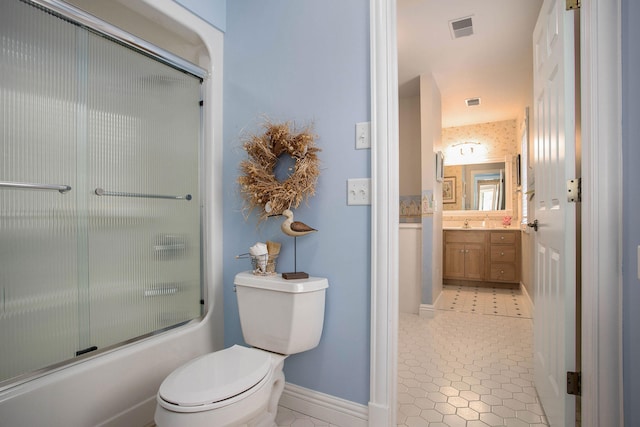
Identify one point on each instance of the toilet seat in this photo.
(214, 378)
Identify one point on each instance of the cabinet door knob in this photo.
(501, 253)
(501, 271)
(501, 237)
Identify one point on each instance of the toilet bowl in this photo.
(241, 386)
(233, 387)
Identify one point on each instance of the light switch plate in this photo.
(363, 135)
(359, 191)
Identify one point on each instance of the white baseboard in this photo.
(427, 310)
(435, 303)
(527, 298)
(379, 416)
(331, 409)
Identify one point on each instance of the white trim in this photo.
(384, 214)
(331, 409)
(601, 214)
(527, 298)
(427, 311)
(410, 225)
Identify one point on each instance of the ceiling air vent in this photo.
(472, 102)
(462, 27)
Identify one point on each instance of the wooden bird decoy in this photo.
(294, 228)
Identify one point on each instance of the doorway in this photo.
(450, 73)
(601, 224)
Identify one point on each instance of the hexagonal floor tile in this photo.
(476, 369)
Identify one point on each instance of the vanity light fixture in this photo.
(467, 148)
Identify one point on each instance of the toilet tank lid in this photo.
(215, 376)
(277, 283)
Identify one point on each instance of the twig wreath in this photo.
(258, 183)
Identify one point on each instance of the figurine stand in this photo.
(295, 274)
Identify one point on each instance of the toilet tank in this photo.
(279, 315)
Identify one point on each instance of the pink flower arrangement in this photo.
(506, 221)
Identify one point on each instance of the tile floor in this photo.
(484, 300)
(288, 418)
(470, 365)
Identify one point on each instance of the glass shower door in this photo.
(39, 284)
(144, 231)
(99, 192)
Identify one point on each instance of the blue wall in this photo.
(212, 11)
(631, 209)
(306, 61)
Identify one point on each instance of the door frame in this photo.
(601, 101)
(601, 105)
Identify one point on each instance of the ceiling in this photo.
(494, 64)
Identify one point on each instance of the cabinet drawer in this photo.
(503, 272)
(503, 254)
(464, 236)
(498, 237)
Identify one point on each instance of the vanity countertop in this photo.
(493, 228)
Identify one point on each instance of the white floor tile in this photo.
(474, 362)
(288, 418)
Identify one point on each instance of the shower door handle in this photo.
(32, 186)
(101, 192)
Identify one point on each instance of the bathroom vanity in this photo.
(487, 255)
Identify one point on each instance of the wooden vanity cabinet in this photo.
(464, 255)
(482, 255)
(504, 258)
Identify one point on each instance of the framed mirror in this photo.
(482, 187)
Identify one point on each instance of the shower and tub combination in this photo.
(102, 200)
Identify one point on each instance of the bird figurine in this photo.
(294, 228)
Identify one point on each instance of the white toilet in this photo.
(241, 386)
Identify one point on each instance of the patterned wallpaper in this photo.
(497, 138)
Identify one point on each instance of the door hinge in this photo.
(573, 4)
(574, 190)
(574, 383)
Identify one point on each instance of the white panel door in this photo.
(555, 261)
